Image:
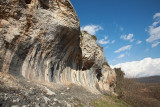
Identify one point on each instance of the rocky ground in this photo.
(18, 92)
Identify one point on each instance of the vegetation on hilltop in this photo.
(135, 93)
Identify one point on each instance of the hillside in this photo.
(137, 94)
(151, 79)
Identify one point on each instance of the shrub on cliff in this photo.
(119, 81)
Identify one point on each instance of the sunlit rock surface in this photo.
(98, 73)
(41, 40)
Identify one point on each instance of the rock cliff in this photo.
(41, 40)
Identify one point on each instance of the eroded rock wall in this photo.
(100, 75)
(41, 40)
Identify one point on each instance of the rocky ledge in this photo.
(41, 40)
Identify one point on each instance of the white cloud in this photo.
(124, 48)
(154, 30)
(147, 50)
(113, 41)
(155, 23)
(91, 29)
(154, 34)
(157, 15)
(121, 56)
(155, 44)
(121, 28)
(139, 42)
(105, 37)
(103, 41)
(142, 68)
(106, 47)
(126, 53)
(127, 37)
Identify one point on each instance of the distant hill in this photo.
(151, 79)
(140, 94)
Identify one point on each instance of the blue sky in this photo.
(122, 27)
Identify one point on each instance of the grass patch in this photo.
(100, 103)
(78, 103)
(110, 101)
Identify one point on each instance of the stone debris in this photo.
(37, 95)
(46, 99)
(62, 93)
(49, 92)
(55, 99)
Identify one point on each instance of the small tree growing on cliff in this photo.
(120, 81)
(120, 74)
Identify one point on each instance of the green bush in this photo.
(94, 37)
(105, 63)
(119, 82)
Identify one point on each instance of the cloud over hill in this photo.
(143, 68)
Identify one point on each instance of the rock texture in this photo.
(19, 92)
(98, 73)
(41, 40)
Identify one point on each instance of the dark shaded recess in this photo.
(6, 44)
(1, 63)
(18, 59)
(99, 74)
(87, 65)
(57, 67)
(28, 1)
(44, 4)
(52, 73)
(37, 50)
(62, 43)
(62, 47)
(1, 102)
(11, 46)
(80, 65)
(111, 85)
(35, 57)
(79, 60)
(18, 15)
(41, 63)
(66, 41)
(29, 23)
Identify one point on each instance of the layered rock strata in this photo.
(41, 40)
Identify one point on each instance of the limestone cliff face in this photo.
(97, 70)
(41, 40)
